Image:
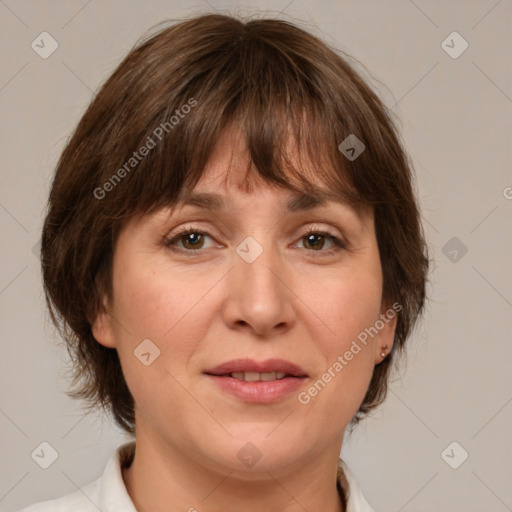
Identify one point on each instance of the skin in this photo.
(294, 302)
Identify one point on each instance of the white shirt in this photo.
(108, 493)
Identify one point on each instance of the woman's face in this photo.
(207, 325)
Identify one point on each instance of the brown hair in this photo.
(173, 95)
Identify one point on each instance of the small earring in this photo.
(383, 353)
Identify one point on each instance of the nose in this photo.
(259, 298)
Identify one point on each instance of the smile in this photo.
(263, 382)
(255, 376)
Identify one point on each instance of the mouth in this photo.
(255, 376)
(252, 371)
(258, 382)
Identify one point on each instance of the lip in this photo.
(259, 392)
(250, 365)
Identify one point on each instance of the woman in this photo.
(233, 252)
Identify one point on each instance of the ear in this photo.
(386, 324)
(101, 327)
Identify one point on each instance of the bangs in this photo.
(289, 115)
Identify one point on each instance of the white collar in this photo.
(108, 493)
(355, 501)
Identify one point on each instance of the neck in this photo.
(161, 478)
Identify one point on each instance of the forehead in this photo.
(295, 202)
(230, 201)
(230, 173)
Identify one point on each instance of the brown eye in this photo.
(189, 240)
(314, 241)
(192, 240)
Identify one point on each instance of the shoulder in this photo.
(78, 501)
(106, 493)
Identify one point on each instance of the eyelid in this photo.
(317, 227)
(339, 241)
(183, 230)
(336, 238)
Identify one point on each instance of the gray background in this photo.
(457, 126)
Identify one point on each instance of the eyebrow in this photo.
(298, 202)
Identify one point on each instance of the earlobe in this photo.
(385, 339)
(102, 329)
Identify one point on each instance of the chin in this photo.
(256, 449)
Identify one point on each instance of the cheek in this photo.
(163, 304)
(147, 300)
(349, 303)
(150, 304)
(346, 303)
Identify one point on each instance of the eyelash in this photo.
(338, 243)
